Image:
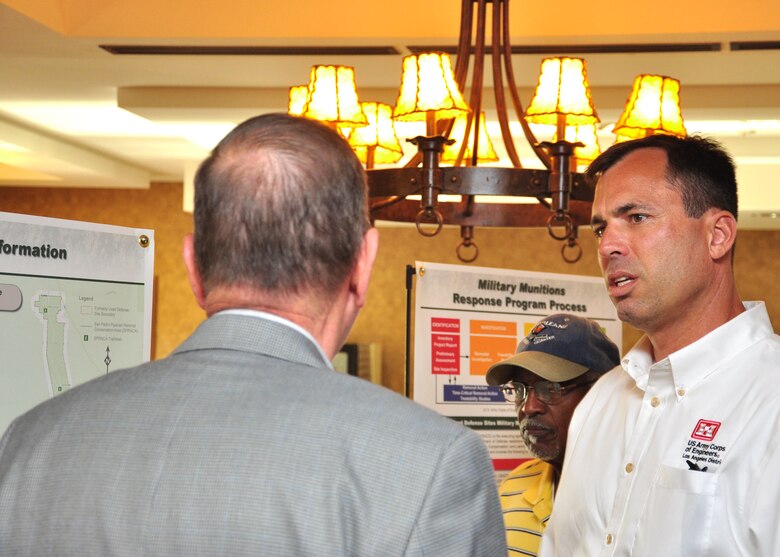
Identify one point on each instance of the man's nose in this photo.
(612, 242)
(532, 406)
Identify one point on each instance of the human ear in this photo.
(723, 234)
(193, 274)
(365, 263)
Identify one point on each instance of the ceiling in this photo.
(74, 114)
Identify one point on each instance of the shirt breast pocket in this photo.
(678, 515)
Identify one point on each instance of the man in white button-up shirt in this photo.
(676, 452)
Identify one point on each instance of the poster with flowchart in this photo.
(467, 318)
(75, 303)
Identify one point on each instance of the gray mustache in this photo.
(532, 423)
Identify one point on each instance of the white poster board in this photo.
(75, 303)
(467, 318)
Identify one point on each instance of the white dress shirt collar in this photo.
(696, 361)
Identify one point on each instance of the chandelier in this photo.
(448, 156)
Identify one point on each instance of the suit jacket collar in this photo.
(247, 333)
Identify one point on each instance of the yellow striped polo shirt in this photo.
(526, 498)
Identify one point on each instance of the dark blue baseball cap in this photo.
(559, 348)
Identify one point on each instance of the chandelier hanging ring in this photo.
(564, 219)
(467, 244)
(426, 214)
(573, 245)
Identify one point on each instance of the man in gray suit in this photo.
(244, 440)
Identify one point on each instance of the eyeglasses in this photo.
(546, 391)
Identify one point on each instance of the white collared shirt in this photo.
(680, 457)
(282, 321)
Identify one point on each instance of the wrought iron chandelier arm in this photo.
(414, 161)
(498, 90)
(463, 52)
(510, 76)
(477, 79)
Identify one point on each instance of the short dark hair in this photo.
(281, 204)
(698, 167)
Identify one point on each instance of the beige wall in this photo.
(757, 263)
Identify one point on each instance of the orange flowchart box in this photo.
(486, 351)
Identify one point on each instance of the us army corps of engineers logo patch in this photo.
(701, 452)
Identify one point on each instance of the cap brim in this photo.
(546, 366)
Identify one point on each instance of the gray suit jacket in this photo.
(243, 442)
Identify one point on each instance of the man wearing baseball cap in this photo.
(553, 368)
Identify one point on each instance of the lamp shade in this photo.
(379, 134)
(587, 135)
(653, 107)
(562, 94)
(428, 85)
(485, 153)
(296, 99)
(332, 96)
(620, 138)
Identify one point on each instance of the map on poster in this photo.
(75, 303)
(467, 318)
